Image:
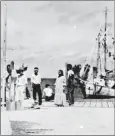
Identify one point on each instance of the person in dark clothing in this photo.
(29, 88)
(70, 84)
(27, 93)
(77, 82)
(82, 87)
(86, 71)
(76, 70)
(36, 81)
(70, 87)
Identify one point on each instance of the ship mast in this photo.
(105, 39)
(98, 52)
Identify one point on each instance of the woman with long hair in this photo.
(60, 96)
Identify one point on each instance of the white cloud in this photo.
(45, 33)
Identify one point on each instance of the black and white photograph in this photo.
(57, 67)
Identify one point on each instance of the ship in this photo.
(101, 75)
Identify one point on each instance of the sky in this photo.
(48, 34)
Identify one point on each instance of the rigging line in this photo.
(100, 65)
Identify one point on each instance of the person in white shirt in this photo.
(70, 84)
(70, 72)
(48, 93)
(36, 81)
(20, 89)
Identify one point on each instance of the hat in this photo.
(21, 69)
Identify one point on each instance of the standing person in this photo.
(8, 82)
(70, 84)
(70, 70)
(77, 82)
(76, 70)
(48, 93)
(82, 87)
(60, 96)
(20, 88)
(10, 86)
(36, 81)
(14, 74)
(14, 79)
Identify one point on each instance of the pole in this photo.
(4, 52)
(98, 52)
(105, 45)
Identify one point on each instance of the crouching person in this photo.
(48, 94)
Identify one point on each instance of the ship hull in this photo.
(105, 91)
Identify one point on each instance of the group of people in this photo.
(64, 86)
(15, 84)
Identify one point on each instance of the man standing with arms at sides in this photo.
(70, 84)
(36, 81)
